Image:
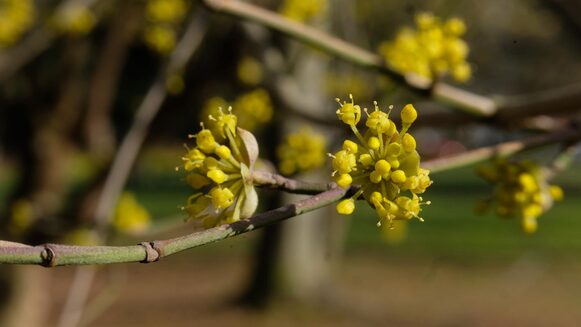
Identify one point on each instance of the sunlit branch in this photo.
(50, 255)
(500, 150)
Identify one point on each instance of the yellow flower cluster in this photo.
(384, 162)
(130, 216)
(219, 169)
(163, 19)
(253, 109)
(75, 20)
(302, 151)
(16, 17)
(521, 191)
(303, 10)
(434, 49)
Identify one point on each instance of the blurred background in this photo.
(97, 99)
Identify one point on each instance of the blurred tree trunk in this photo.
(295, 258)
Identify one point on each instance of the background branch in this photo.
(475, 105)
(500, 150)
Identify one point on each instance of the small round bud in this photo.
(366, 159)
(217, 175)
(376, 198)
(344, 180)
(350, 146)
(408, 142)
(409, 114)
(382, 167)
(223, 152)
(398, 176)
(373, 143)
(346, 207)
(205, 141)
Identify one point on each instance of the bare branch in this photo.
(275, 181)
(500, 150)
(50, 255)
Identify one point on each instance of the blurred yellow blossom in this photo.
(163, 20)
(21, 216)
(82, 236)
(219, 170)
(435, 48)
(130, 216)
(16, 18)
(301, 151)
(249, 71)
(521, 191)
(303, 10)
(253, 109)
(175, 83)
(165, 11)
(383, 161)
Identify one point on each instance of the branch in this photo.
(471, 103)
(278, 182)
(50, 255)
(474, 105)
(501, 150)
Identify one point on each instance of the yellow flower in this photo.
(253, 109)
(384, 163)
(163, 20)
(22, 215)
(130, 216)
(433, 49)
(302, 151)
(249, 71)
(16, 18)
(219, 170)
(160, 38)
(303, 10)
(166, 11)
(521, 191)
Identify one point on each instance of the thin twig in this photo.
(500, 150)
(275, 181)
(50, 255)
